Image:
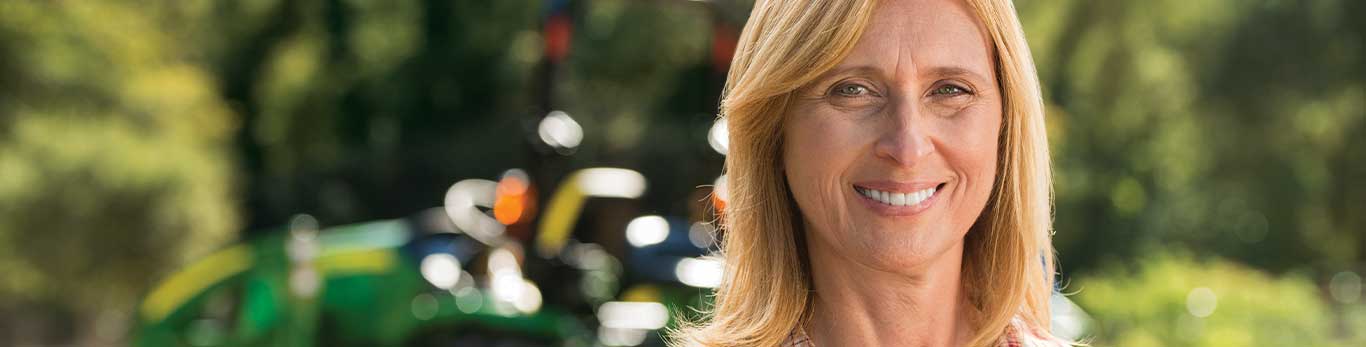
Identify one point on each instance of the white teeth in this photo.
(897, 199)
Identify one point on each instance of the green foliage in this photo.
(1161, 301)
(114, 154)
(1227, 126)
(352, 110)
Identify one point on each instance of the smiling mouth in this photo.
(899, 198)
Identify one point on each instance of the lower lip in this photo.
(899, 211)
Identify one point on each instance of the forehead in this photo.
(909, 35)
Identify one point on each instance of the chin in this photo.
(895, 249)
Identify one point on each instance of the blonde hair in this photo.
(764, 295)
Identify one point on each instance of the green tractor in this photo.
(472, 272)
(385, 283)
(491, 267)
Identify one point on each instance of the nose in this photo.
(904, 141)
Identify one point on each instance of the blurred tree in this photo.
(1224, 126)
(114, 164)
(354, 110)
(1173, 300)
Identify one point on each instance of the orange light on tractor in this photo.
(720, 193)
(719, 204)
(512, 200)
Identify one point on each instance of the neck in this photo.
(857, 305)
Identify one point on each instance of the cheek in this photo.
(972, 151)
(979, 151)
(817, 151)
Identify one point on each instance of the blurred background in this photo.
(541, 172)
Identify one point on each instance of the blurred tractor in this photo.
(396, 282)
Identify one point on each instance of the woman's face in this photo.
(891, 155)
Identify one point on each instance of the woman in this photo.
(889, 179)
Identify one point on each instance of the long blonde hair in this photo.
(764, 295)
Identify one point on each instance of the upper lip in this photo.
(899, 186)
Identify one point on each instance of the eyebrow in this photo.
(938, 71)
(955, 71)
(851, 70)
